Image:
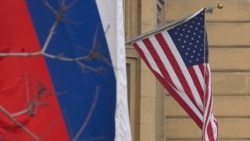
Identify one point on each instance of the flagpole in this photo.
(168, 26)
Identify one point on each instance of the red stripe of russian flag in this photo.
(17, 75)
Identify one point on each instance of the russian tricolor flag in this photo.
(47, 99)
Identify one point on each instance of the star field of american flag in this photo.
(189, 39)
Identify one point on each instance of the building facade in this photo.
(154, 115)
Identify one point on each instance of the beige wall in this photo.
(154, 115)
(143, 116)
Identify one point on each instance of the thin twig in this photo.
(66, 7)
(52, 125)
(3, 110)
(45, 2)
(51, 33)
(30, 110)
(21, 54)
(88, 68)
(85, 123)
(32, 105)
(66, 59)
(25, 111)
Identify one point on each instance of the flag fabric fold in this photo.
(178, 57)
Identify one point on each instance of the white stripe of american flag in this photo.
(200, 77)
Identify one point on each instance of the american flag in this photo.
(178, 57)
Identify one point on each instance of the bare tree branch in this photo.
(20, 54)
(45, 2)
(85, 123)
(30, 110)
(3, 110)
(51, 33)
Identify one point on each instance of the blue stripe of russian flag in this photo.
(75, 89)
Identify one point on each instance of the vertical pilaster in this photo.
(147, 79)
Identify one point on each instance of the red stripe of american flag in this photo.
(196, 80)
